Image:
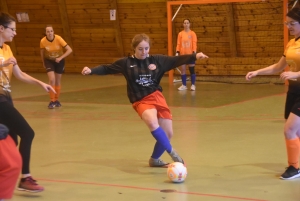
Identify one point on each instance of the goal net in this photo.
(238, 37)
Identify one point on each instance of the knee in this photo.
(192, 70)
(52, 82)
(169, 134)
(152, 125)
(289, 133)
(29, 135)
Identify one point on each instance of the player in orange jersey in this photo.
(9, 115)
(292, 113)
(187, 44)
(54, 50)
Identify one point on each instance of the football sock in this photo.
(161, 137)
(193, 78)
(52, 95)
(293, 149)
(57, 89)
(158, 151)
(183, 78)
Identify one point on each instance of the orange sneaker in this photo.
(29, 184)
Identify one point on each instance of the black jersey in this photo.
(143, 76)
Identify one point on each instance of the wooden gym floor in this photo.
(96, 148)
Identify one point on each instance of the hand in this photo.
(200, 55)
(86, 71)
(11, 60)
(47, 87)
(58, 59)
(251, 75)
(176, 54)
(289, 75)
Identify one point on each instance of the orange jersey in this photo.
(292, 53)
(186, 42)
(5, 72)
(53, 49)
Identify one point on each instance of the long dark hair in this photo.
(294, 13)
(6, 19)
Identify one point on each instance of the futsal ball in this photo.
(177, 172)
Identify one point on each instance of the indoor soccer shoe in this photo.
(51, 105)
(57, 103)
(193, 87)
(29, 184)
(176, 158)
(182, 87)
(290, 173)
(157, 163)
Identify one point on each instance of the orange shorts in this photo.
(155, 100)
(10, 167)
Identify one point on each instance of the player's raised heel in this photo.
(29, 184)
(176, 158)
(157, 163)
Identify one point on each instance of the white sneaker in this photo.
(182, 87)
(193, 87)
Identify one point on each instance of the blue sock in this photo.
(193, 78)
(183, 78)
(161, 137)
(158, 151)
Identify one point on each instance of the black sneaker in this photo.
(57, 103)
(51, 105)
(290, 173)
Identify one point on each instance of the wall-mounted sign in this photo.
(112, 14)
(22, 17)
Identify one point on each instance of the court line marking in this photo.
(149, 189)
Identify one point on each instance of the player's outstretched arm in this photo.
(30, 80)
(275, 68)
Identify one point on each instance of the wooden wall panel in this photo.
(96, 39)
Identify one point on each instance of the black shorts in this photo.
(51, 65)
(292, 104)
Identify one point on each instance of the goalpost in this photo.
(173, 3)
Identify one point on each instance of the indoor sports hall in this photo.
(95, 147)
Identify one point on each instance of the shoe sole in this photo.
(30, 191)
(293, 177)
(160, 166)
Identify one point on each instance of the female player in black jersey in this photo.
(143, 73)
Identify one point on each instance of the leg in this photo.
(291, 129)
(51, 77)
(59, 69)
(57, 88)
(193, 76)
(149, 116)
(183, 78)
(18, 126)
(159, 149)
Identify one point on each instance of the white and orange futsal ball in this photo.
(177, 172)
